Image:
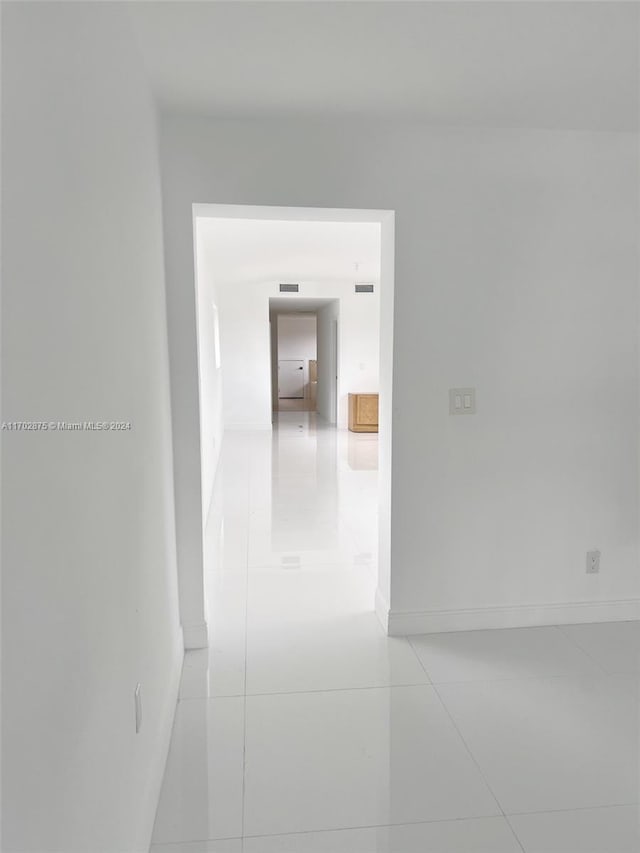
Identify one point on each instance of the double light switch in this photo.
(462, 401)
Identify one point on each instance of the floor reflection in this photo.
(304, 728)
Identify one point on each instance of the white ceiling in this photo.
(555, 64)
(256, 250)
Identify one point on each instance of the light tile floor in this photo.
(304, 729)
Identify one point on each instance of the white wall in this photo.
(327, 370)
(297, 340)
(209, 369)
(246, 354)
(516, 272)
(273, 337)
(89, 565)
(358, 346)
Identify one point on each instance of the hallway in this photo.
(305, 729)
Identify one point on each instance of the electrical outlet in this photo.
(138, 704)
(593, 562)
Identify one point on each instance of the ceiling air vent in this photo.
(364, 288)
(289, 288)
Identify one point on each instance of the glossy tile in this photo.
(604, 830)
(350, 758)
(196, 675)
(316, 536)
(362, 452)
(512, 653)
(201, 795)
(226, 540)
(629, 682)
(310, 499)
(289, 493)
(220, 669)
(314, 629)
(231, 486)
(614, 645)
(347, 747)
(548, 744)
(481, 835)
(217, 671)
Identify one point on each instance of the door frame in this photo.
(191, 576)
(335, 367)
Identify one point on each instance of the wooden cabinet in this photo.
(363, 412)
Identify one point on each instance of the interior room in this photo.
(390, 606)
(294, 359)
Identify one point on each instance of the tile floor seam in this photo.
(515, 834)
(469, 752)
(304, 565)
(442, 820)
(246, 636)
(567, 677)
(583, 650)
(419, 659)
(556, 811)
(316, 566)
(250, 695)
(480, 770)
(635, 803)
(338, 690)
(351, 827)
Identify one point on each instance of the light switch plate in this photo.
(462, 401)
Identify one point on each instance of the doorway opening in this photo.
(304, 359)
(268, 357)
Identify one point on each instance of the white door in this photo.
(291, 378)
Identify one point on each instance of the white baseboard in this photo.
(403, 623)
(196, 636)
(161, 751)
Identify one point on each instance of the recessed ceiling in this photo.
(258, 250)
(571, 65)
